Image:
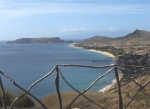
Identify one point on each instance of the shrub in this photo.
(23, 102)
(9, 97)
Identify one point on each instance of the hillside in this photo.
(98, 39)
(108, 99)
(138, 37)
(38, 40)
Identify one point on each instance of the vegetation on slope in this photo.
(10, 96)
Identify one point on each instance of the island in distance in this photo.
(38, 40)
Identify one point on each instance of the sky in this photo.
(72, 19)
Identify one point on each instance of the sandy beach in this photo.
(101, 52)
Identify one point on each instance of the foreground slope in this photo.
(106, 100)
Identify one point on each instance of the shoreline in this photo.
(102, 52)
(93, 50)
(109, 86)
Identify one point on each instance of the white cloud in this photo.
(75, 30)
(26, 8)
(112, 29)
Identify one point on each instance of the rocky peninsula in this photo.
(38, 40)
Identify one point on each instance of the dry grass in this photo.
(108, 100)
(103, 99)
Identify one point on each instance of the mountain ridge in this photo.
(137, 37)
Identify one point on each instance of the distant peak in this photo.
(138, 31)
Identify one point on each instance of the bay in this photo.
(26, 63)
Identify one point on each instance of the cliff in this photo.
(38, 40)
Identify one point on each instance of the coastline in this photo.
(110, 86)
(102, 52)
(93, 50)
(107, 87)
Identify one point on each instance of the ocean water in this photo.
(26, 63)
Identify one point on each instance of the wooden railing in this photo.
(112, 67)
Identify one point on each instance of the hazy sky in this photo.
(72, 19)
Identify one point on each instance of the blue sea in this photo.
(26, 63)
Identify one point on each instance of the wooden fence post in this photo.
(120, 105)
(3, 94)
(57, 87)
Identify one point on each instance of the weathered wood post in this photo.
(3, 93)
(120, 105)
(57, 87)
